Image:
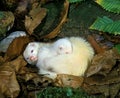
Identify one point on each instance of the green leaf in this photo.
(106, 24)
(75, 1)
(110, 5)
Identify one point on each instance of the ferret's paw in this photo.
(52, 76)
(47, 73)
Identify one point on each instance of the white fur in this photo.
(51, 61)
(62, 46)
(32, 46)
(59, 47)
(74, 63)
(46, 50)
(45, 53)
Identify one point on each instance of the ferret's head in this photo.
(63, 46)
(31, 52)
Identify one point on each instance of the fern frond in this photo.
(106, 24)
(110, 5)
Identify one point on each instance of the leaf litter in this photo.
(34, 18)
(103, 74)
(19, 78)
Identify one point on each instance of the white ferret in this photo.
(45, 50)
(74, 63)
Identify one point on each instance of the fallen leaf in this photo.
(28, 69)
(1, 60)
(103, 85)
(103, 63)
(56, 31)
(114, 90)
(32, 94)
(30, 76)
(42, 81)
(34, 18)
(16, 47)
(104, 80)
(104, 89)
(22, 6)
(18, 63)
(1, 95)
(4, 44)
(64, 80)
(8, 83)
(33, 81)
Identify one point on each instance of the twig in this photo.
(95, 45)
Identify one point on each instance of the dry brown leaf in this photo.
(30, 76)
(90, 89)
(34, 18)
(64, 80)
(102, 80)
(8, 83)
(1, 60)
(42, 81)
(102, 85)
(18, 63)
(56, 31)
(25, 70)
(32, 94)
(103, 63)
(114, 90)
(104, 90)
(16, 47)
(1, 95)
(22, 6)
(33, 81)
(105, 79)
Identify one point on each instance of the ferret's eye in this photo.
(31, 51)
(27, 58)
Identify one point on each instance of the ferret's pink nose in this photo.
(33, 58)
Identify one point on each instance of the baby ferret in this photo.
(60, 46)
(74, 63)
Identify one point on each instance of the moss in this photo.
(66, 92)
